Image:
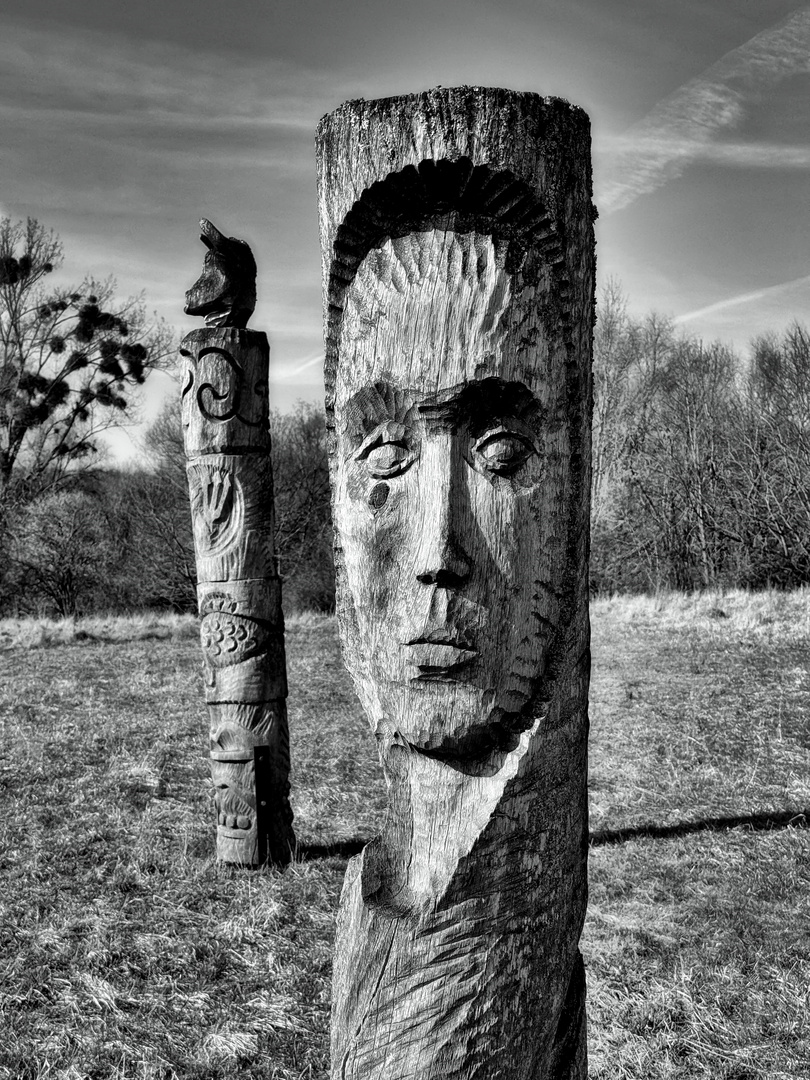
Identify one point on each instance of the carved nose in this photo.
(444, 523)
(449, 571)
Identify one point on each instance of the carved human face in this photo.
(451, 477)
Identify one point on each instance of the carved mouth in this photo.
(437, 657)
(442, 634)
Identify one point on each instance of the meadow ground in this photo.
(126, 953)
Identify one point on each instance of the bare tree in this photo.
(69, 359)
(775, 442)
(628, 355)
(302, 500)
(684, 474)
(61, 550)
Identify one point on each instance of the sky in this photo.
(123, 124)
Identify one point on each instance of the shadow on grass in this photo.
(781, 819)
(341, 849)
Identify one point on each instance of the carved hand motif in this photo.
(225, 292)
(217, 507)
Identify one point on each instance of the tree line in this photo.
(120, 539)
(701, 458)
(76, 536)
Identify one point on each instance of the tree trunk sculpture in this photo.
(227, 442)
(458, 267)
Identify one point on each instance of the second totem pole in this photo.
(227, 443)
(458, 270)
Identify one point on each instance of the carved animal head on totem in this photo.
(453, 458)
(225, 292)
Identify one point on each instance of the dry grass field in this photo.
(126, 953)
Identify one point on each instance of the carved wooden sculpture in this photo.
(458, 266)
(227, 442)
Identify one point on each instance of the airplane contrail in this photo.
(296, 369)
(743, 298)
(684, 125)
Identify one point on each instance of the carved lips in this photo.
(439, 650)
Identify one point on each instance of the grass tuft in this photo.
(42, 633)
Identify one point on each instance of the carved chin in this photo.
(447, 720)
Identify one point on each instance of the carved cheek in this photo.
(504, 553)
(386, 537)
(502, 514)
(368, 516)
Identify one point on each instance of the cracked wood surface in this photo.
(458, 270)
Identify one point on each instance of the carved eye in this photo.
(503, 451)
(386, 452)
(387, 460)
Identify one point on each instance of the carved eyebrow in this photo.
(476, 402)
(480, 402)
(390, 431)
(496, 396)
(372, 405)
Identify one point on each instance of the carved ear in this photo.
(210, 235)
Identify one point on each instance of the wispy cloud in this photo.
(94, 74)
(684, 126)
(771, 292)
(292, 370)
(746, 155)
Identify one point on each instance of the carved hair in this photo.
(415, 270)
(449, 196)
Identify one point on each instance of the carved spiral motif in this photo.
(223, 395)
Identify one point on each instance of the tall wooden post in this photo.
(227, 443)
(458, 269)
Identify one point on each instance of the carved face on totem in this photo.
(450, 407)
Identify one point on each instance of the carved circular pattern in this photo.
(229, 639)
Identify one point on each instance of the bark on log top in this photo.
(503, 129)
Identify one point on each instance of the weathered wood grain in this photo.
(458, 269)
(227, 442)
